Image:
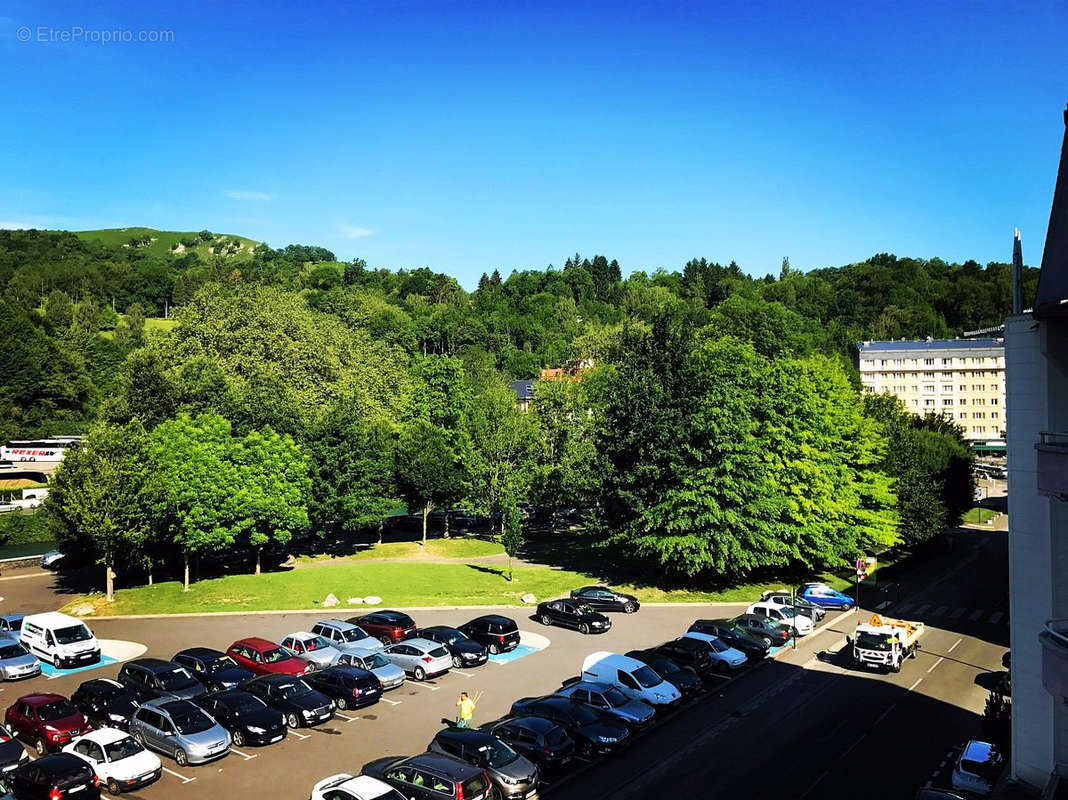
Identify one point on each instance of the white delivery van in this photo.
(60, 640)
(636, 680)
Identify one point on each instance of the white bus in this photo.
(52, 449)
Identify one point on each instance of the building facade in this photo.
(961, 379)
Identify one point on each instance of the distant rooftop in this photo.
(931, 344)
(524, 390)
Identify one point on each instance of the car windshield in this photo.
(665, 666)
(354, 634)
(874, 641)
(439, 652)
(583, 715)
(497, 754)
(175, 679)
(646, 678)
(75, 633)
(786, 611)
(317, 643)
(124, 748)
(222, 662)
(57, 710)
(452, 636)
(376, 661)
(107, 691)
(12, 650)
(292, 689)
(615, 697)
(188, 722)
(275, 656)
(718, 646)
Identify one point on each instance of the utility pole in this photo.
(793, 605)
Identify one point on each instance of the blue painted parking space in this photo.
(51, 672)
(514, 655)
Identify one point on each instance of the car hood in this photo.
(212, 736)
(307, 702)
(11, 752)
(388, 673)
(186, 692)
(636, 710)
(378, 767)
(124, 708)
(596, 729)
(70, 723)
(231, 676)
(521, 770)
(291, 666)
(466, 646)
(261, 718)
(18, 662)
(593, 617)
(135, 765)
(326, 655)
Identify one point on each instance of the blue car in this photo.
(824, 596)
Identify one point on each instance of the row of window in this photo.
(931, 375)
(929, 362)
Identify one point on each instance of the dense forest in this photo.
(718, 431)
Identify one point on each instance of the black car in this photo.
(754, 648)
(539, 739)
(571, 614)
(690, 653)
(349, 687)
(601, 598)
(105, 703)
(12, 753)
(465, 651)
(299, 703)
(775, 634)
(498, 634)
(153, 678)
(431, 776)
(595, 734)
(685, 679)
(213, 668)
(60, 775)
(514, 776)
(247, 717)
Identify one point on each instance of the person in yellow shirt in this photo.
(465, 707)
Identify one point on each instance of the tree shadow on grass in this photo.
(487, 570)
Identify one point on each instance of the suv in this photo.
(349, 687)
(216, 670)
(539, 739)
(431, 776)
(609, 699)
(498, 634)
(388, 626)
(465, 651)
(181, 730)
(49, 721)
(345, 636)
(152, 678)
(265, 658)
(689, 653)
(512, 774)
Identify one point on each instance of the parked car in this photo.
(63, 641)
(513, 775)
(119, 761)
(345, 636)
(496, 633)
(540, 740)
(11, 623)
(317, 651)
(153, 678)
(248, 719)
(799, 604)
(348, 687)
(601, 598)
(782, 614)
(594, 733)
(12, 753)
(431, 776)
(347, 787)
(300, 704)
(635, 679)
(16, 662)
(213, 668)
(685, 679)
(105, 703)
(47, 721)
(754, 647)
(689, 653)
(726, 658)
(55, 777)
(52, 559)
(181, 730)
(609, 699)
(571, 614)
(264, 657)
(770, 631)
(389, 674)
(824, 596)
(977, 769)
(388, 626)
(465, 651)
(420, 658)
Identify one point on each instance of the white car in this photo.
(977, 768)
(725, 657)
(119, 761)
(784, 615)
(346, 787)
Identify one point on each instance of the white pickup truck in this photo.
(884, 643)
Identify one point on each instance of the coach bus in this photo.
(51, 449)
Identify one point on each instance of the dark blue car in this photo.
(824, 596)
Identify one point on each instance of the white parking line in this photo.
(935, 664)
(345, 717)
(974, 616)
(298, 735)
(182, 778)
(245, 756)
(455, 671)
(917, 683)
(392, 702)
(429, 686)
(954, 646)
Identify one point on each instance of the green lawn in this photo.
(160, 324)
(438, 548)
(163, 241)
(979, 515)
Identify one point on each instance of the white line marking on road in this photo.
(940, 611)
(429, 686)
(345, 717)
(883, 715)
(245, 756)
(300, 736)
(917, 683)
(392, 702)
(455, 671)
(995, 617)
(935, 664)
(958, 613)
(923, 609)
(182, 778)
(954, 646)
(974, 616)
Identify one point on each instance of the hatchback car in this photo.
(389, 674)
(181, 730)
(540, 740)
(387, 626)
(47, 721)
(105, 703)
(213, 668)
(784, 615)
(571, 614)
(12, 753)
(300, 704)
(153, 678)
(594, 733)
(824, 596)
(360, 787)
(685, 679)
(513, 775)
(348, 687)
(248, 719)
(725, 657)
(610, 700)
(773, 633)
(264, 657)
(689, 653)
(420, 658)
(55, 777)
(601, 598)
(799, 604)
(465, 651)
(431, 776)
(120, 762)
(977, 768)
(11, 623)
(496, 633)
(345, 636)
(16, 662)
(754, 647)
(315, 650)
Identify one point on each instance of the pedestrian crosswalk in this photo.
(928, 610)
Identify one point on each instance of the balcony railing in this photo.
(1052, 452)
(1054, 641)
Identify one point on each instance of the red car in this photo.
(265, 658)
(389, 627)
(48, 721)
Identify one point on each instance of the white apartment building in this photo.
(961, 379)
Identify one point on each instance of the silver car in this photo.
(181, 730)
(346, 636)
(389, 674)
(317, 652)
(16, 661)
(420, 658)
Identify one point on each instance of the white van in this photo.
(62, 641)
(636, 680)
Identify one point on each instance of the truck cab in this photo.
(882, 642)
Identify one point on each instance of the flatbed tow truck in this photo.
(884, 643)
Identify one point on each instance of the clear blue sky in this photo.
(466, 136)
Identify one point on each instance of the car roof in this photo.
(446, 765)
(466, 733)
(389, 614)
(364, 786)
(495, 618)
(275, 677)
(12, 616)
(200, 652)
(172, 706)
(105, 735)
(301, 635)
(426, 644)
(57, 762)
(441, 628)
(256, 642)
(40, 698)
(595, 686)
(338, 623)
(152, 664)
(97, 683)
(538, 724)
(50, 619)
(977, 751)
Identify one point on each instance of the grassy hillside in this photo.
(163, 242)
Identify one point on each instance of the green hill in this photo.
(164, 243)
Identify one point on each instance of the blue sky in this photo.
(469, 136)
